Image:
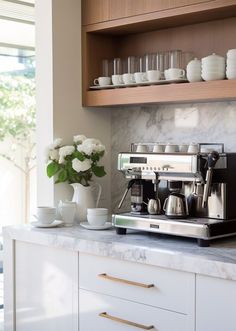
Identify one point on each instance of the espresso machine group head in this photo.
(195, 192)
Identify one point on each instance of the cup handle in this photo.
(182, 73)
(164, 206)
(121, 80)
(36, 216)
(132, 79)
(99, 193)
(144, 77)
(96, 82)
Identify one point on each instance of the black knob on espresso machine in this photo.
(130, 184)
(212, 158)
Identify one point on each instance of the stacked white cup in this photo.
(231, 64)
(213, 67)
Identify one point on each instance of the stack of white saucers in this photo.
(231, 64)
(213, 67)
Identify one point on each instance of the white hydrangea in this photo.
(51, 155)
(79, 166)
(57, 143)
(79, 139)
(64, 151)
(90, 146)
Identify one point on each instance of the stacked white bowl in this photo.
(194, 71)
(231, 64)
(213, 67)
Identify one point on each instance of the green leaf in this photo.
(99, 171)
(62, 176)
(79, 156)
(52, 169)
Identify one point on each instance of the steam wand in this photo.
(130, 184)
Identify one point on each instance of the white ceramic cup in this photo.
(183, 148)
(102, 81)
(171, 148)
(128, 79)
(193, 148)
(140, 77)
(158, 148)
(67, 211)
(97, 211)
(46, 215)
(174, 73)
(142, 149)
(117, 79)
(97, 220)
(153, 75)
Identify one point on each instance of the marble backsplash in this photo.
(177, 123)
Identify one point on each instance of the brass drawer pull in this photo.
(125, 281)
(121, 320)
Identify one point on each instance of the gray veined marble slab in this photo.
(219, 260)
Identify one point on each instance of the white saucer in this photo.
(86, 225)
(51, 225)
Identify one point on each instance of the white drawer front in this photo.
(172, 290)
(92, 305)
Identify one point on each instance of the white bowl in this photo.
(231, 53)
(213, 67)
(97, 211)
(213, 76)
(231, 75)
(97, 220)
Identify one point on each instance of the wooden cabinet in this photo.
(96, 11)
(215, 304)
(120, 29)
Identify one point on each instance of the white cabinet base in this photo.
(93, 304)
(45, 289)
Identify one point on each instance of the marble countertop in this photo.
(177, 253)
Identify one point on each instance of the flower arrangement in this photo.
(76, 163)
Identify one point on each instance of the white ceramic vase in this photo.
(85, 197)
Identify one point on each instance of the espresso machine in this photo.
(180, 193)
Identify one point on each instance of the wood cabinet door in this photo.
(95, 11)
(127, 8)
(46, 288)
(215, 304)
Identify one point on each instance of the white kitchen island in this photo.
(70, 279)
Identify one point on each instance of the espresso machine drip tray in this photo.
(203, 229)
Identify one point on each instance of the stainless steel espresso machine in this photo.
(182, 194)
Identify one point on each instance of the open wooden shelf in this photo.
(185, 92)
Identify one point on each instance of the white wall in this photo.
(59, 101)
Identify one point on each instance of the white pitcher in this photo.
(84, 196)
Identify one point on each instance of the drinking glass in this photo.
(151, 61)
(175, 57)
(129, 65)
(106, 68)
(117, 66)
